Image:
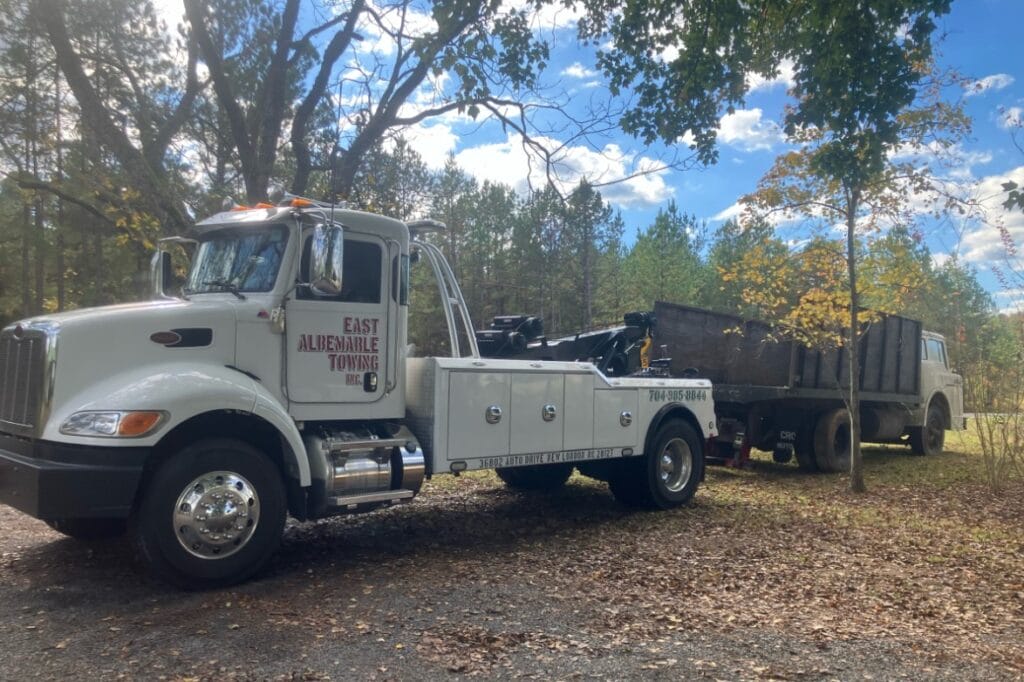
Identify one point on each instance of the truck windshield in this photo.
(237, 260)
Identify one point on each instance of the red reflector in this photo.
(263, 315)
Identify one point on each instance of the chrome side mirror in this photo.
(326, 260)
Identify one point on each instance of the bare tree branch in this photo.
(149, 179)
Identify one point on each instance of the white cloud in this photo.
(510, 164)
(745, 129)
(405, 20)
(433, 142)
(551, 16)
(171, 12)
(729, 212)
(987, 240)
(786, 77)
(996, 81)
(1011, 118)
(953, 158)
(577, 70)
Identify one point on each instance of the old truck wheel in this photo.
(211, 515)
(539, 477)
(929, 439)
(832, 441)
(89, 529)
(665, 477)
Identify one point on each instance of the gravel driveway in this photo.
(468, 579)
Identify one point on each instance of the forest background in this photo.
(117, 129)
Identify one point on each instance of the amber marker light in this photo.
(134, 424)
(301, 203)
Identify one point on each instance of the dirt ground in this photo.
(769, 574)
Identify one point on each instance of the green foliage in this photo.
(732, 243)
(1014, 196)
(665, 263)
(857, 65)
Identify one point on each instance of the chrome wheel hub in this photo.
(216, 515)
(676, 465)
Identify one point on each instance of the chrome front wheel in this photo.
(211, 515)
(216, 514)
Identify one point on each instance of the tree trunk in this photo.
(60, 202)
(588, 284)
(40, 254)
(26, 260)
(150, 181)
(853, 345)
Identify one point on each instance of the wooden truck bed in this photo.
(746, 364)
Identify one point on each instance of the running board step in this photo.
(370, 498)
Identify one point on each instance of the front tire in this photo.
(89, 529)
(212, 515)
(930, 438)
(668, 475)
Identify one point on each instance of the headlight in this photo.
(112, 424)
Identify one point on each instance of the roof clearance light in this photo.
(299, 202)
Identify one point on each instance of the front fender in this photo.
(268, 408)
(181, 389)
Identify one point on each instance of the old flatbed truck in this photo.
(771, 393)
(279, 382)
(780, 396)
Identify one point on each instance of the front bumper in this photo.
(50, 480)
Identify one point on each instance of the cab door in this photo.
(937, 376)
(338, 345)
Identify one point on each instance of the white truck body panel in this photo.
(448, 400)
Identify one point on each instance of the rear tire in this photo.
(668, 475)
(536, 477)
(212, 515)
(89, 529)
(832, 441)
(930, 438)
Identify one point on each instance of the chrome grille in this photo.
(22, 379)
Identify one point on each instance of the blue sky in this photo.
(979, 38)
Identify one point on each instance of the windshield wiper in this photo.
(226, 285)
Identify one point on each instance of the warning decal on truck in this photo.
(550, 457)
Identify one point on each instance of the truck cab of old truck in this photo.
(279, 381)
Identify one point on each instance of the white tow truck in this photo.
(279, 380)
